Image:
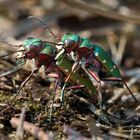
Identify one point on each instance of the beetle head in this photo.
(69, 45)
(70, 42)
(32, 47)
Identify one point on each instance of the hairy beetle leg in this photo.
(25, 81)
(74, 68)
(53, 96)
(122, 81)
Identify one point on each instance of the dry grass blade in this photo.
(121, 48)
(11, 71)
(112, 46)
(120, 135)
(20, 131)
(117, 54)
(30, 128)
(96, 9)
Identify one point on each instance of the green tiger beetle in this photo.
(44, 54)
(93, 59)
(78, 59)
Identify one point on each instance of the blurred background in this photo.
(115, 24)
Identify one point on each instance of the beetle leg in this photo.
(75, 87)
(93, 75)
(96, 77)
(122, 81)
(74, 68)
(58, 77)
(35, 70)
(55, 89)
(100, 97)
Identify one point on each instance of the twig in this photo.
(99, 10)
(20, 131)
(133, 73)
(11, 71)
(112, 46)
(94, 130)
(135, 132)
(132, 133)
(129, 127)
(117, 52)
(120, 135)
(32, 129)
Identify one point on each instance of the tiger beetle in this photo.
(91, 57)
(89, 61)
(44, 54)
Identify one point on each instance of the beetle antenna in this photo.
(24, 82)
(11, 71)
(10, 44)
(121, 80)
(45, 26)
(1, 56)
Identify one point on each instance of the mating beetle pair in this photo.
(94, 61)
(44, 54)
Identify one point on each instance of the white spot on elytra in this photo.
(104, 61)
(111, 69)
(96, 54)
(78, 81)
(114, 67)
(66, 70)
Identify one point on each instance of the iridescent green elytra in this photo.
(79, 77)
(78, 43)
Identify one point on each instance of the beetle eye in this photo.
(27, 48)
(69, 43)
(31, 48)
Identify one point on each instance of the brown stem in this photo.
(32, 129)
